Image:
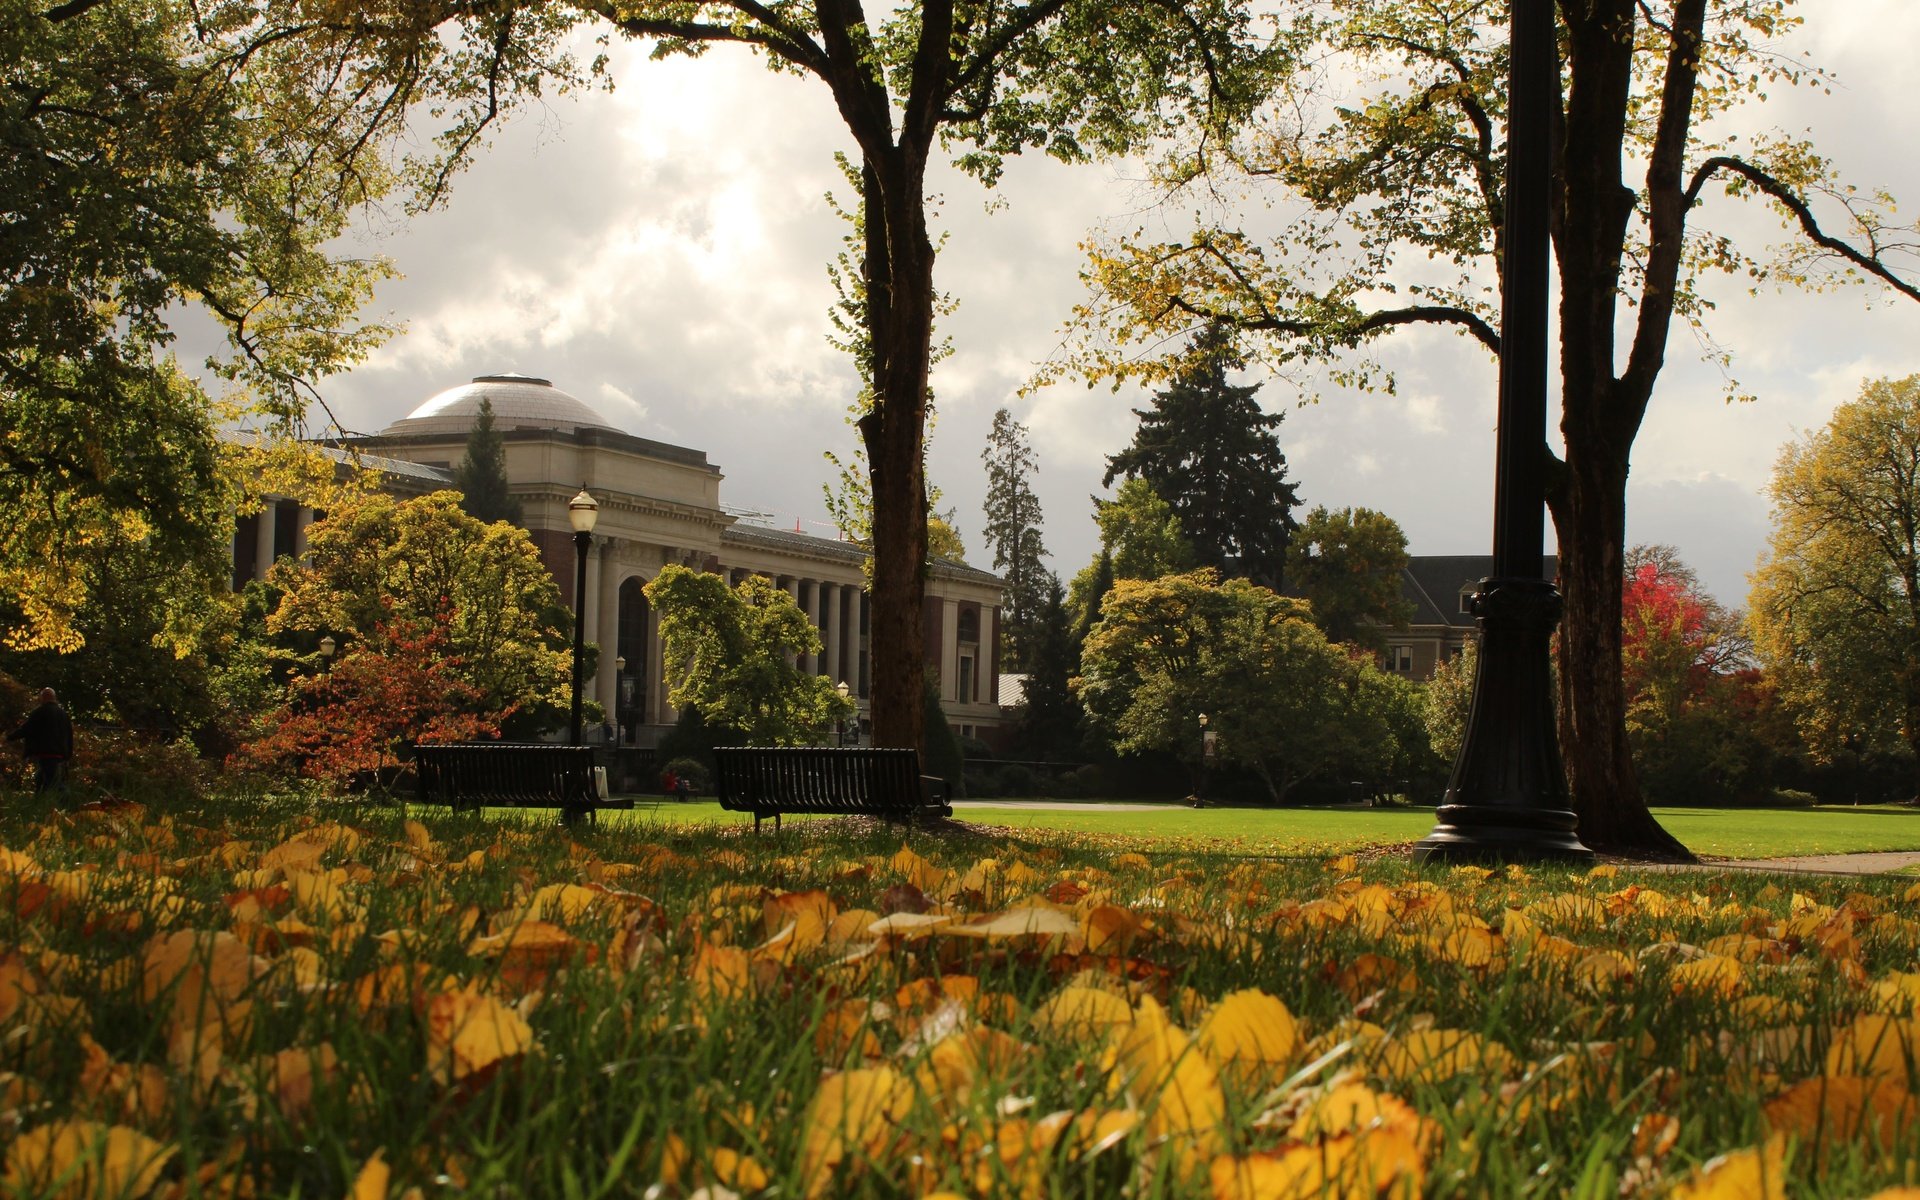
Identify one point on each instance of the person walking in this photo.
(46, 736)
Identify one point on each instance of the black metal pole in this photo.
(1508, 795)
(581, 542)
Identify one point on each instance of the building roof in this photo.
(793, 543)
(391, 466)
(519, 402)
(833, 548)
(1433, 583)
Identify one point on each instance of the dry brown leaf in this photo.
(1844, 1110)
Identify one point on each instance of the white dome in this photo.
(519, 402)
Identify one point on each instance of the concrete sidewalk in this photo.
(1875, 863)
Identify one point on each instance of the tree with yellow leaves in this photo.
(1835, 607)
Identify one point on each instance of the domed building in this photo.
(659, 504)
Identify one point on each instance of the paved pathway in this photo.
(1879, 863)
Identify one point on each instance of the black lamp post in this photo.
(1508, 796)
(1206, 753)
(327, 647)
(582, 511)
(845, 691)
(623, 696)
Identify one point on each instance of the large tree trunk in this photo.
(899, 277)
(1591, 519)
(1601, 413)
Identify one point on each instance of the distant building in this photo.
(659, 504)
(1440, 588)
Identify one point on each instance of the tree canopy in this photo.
(376, 563)
(1347, 564)
(1283, 702)
(1396, 193)
(1835, 607)
(1209, 450)
(1140, 538)
(736, 649)
(149, 175)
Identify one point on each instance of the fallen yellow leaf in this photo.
(89, 1159)
(1755, 1173)
(849, 1117)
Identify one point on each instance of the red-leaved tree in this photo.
(397, 687)
(1693, 698)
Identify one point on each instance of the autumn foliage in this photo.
(399, 686)
(244, 1004)
(1700, 716)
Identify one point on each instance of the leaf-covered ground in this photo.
(265, 1002)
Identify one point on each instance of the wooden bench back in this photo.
(866, 780)
(524, 774)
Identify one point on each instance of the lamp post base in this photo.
(1508, 798)
(1474, 833)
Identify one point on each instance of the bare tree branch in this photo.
(1795, 204)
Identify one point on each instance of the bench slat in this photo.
(470, 775)
(768, 781)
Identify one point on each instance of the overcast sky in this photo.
(661, 254)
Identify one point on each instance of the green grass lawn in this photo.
(1711, 832)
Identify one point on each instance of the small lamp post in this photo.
(623, 692)
(582, 511)
(1206, 752)
(327, 647)
(844, 691)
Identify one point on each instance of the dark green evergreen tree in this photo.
(1013, 530)
(1209, 450)
(1099, 581)
(1050, 722)
(482, 474)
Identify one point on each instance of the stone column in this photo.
(835, 670)
(585, 607)
(810, 604)
(606, 684)
(658, 711)
(263, 539)
(950, 650)
(302, 521)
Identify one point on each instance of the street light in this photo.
(844, 691)
(1206, 752)
(1508, 797)
(327, 647)
(582, 511)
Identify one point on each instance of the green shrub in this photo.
(692, 770)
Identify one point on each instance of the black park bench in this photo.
(868, 781)
(469, 775)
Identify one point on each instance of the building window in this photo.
(1466, 601)
(1400, 658)
(965, 695)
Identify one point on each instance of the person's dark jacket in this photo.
(46, 733)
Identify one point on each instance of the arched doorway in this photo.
(632, 645)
